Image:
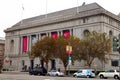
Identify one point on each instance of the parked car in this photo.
(38, 71)
(86, 73)
(109, 74)
(55, 73)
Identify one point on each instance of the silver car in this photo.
(55, 73)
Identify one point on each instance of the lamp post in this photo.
(69, 52)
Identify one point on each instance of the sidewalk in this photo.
(14, 72)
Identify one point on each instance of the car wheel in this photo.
(48, 74)
(75, 76)
(56, 74)
(39, 74)
(88, 76)
(101, 76)
(116, 77)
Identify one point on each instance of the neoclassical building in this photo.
(2, 50)
(74, 21)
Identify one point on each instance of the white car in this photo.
(55, 73)
(109, 74)
(84, 73)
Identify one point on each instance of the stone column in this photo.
(60, 32)
(21, 38)
(29, 43)
(49, 34)
(39, 36)
(71, 31)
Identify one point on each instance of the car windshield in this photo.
(79, 71)
(109, 71)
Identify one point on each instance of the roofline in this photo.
(57, 19)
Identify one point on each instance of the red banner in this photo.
(69, 49)
(54, 35)
(66, 34)
(25, 44)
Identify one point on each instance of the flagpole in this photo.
(77, 10)
(46, 8)
(22, 14)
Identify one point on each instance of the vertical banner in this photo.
(25, 39)
(69, 49)
(43, 35)
(66, 34)
(34, 39)
(54, 35)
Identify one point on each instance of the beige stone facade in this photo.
(91, 17)
(2, 50)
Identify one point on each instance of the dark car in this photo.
(38, 71)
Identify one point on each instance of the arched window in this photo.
(11, 45)
(110, 34)
(86, 32)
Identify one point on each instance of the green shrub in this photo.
(5, 69)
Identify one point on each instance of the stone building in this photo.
(74, 21)
(2, 49)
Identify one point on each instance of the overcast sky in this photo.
(12, 10)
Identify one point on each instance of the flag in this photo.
(67, 49)
(22, 7)
(70, 50)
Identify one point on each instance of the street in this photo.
(32, 77)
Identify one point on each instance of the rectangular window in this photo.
(34, 39)
(10, 62)
(23, 63)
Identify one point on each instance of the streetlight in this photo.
(69, 52)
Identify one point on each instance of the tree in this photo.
(61, 44)
(44, 49)
(94, 45)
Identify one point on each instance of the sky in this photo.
(13, 11)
